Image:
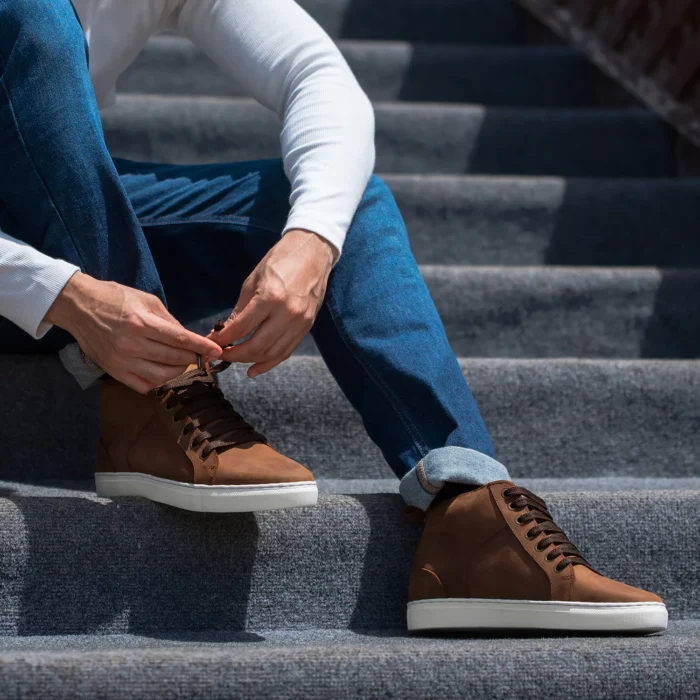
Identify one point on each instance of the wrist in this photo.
(324, 248)
(66, 306)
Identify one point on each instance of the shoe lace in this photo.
(196, 396)
(518, 500)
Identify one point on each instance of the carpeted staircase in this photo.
(565, 260)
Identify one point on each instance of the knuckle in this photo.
(296, 308)
(121, 344)
(275, 295)
(180, 337)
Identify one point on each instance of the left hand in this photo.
(281, 299)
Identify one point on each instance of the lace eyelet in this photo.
(528, 536)
(519, 521)
(559, 568)
(512, 506)
(549, 557)
(538, 548)
(505, 493)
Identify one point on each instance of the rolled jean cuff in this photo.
(458, 465)
(85, 373)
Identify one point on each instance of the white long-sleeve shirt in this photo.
(284, 60)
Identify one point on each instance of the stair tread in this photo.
(411, 137)
(80, 564)
(84, 488)
(394, 70)
(681, 634)
(343, 664)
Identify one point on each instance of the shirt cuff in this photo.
(332, 233)
(45, 287)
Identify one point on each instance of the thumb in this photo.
(225, 333)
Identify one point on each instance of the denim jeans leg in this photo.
(59, 189)
(380, 335)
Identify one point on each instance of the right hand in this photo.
(128, 333)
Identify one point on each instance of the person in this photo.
(104, 260)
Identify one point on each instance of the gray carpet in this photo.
(548, 418)
(343, 664)
(77, 564)
(410, 137)
(564, 258)
(506, 75)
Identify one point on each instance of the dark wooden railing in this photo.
(652, 47)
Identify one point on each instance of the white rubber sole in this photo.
(485, 614)
(207, 499)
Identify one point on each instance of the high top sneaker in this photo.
(183, 444)
(493, 558)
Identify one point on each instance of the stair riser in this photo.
(504, 76)
(409, 139)
(74, 565)
(547, 419)
(535, 221)
(468, 21)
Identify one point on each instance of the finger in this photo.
(257, 347)
(164, 354)
(261, 367)
(279, 353)
(240, 325)
(246, 294)
(136, 383)
(155, 373)
(174, 335)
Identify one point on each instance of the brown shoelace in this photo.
(195, 395)
(520, 499)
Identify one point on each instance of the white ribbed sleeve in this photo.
(29, 283)
(283, 58)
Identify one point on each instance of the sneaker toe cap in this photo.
(257, 463)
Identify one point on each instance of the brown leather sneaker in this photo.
(492, 558)
(184, 445)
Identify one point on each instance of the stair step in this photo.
(321, 664)
(568, 312)
(491, 220)
(78, 564)
(537, 312)
(532, 77)
(410, 138)
(548, 418)
(469, 21)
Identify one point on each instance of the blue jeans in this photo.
(192, 234)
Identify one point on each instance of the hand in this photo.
(281, 299)
(128, 333)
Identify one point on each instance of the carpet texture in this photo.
(77, 564)
(564, 258)
(341, 664)
(547, 418)
(505, 75)
(410, 138)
